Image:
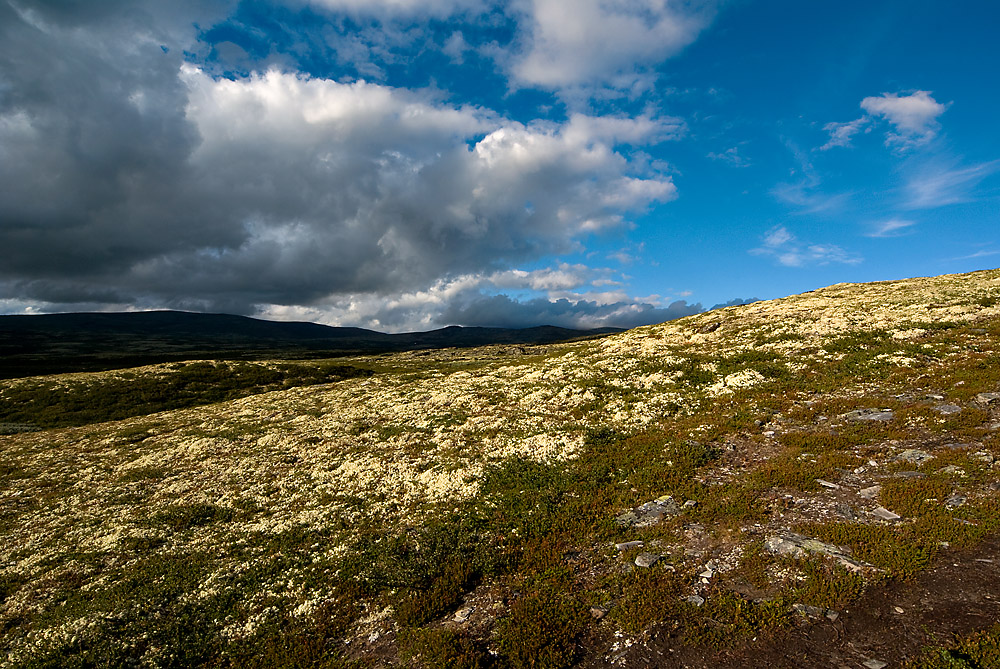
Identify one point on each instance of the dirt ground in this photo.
(892, 623)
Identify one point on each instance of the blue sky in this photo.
(404, 164)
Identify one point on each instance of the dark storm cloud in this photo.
(132, 177)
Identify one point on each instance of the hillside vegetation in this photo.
(705, 483)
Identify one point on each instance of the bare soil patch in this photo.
(891, 623)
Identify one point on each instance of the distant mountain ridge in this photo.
(52, 343)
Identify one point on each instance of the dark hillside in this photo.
(55, 343)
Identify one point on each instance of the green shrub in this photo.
(540, 631)
(443, 649)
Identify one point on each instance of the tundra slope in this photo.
(348, 522)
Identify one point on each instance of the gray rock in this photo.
(885, 514)
(909, 474)
(710, 327)
(914, 455)
(957, 447)
(948, 409)
(870, 492)
(628, 545)
(988, 398)
(876, 664)
(798, 545)
(995, 485)
(697, 600)
(646, 560)
(598, 612)
(845, 511)
(827, 484)
(955, 501)
(878, 415)
(463, 615)
(809, 611)
(951, 469)
(650, 513)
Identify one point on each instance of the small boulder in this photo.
(885, 514)
(647, 560)
(650, 513)
(988, 398)
(914, 455)
(876, 415)
(871, 492)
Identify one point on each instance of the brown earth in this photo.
(892, 623)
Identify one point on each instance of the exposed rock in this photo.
(909, 474)
(914, 455)
(710, 327)
(948, 409)
(988, 398)
(957, 447)
(955, 501)
(464, 614)
(876, 664)
(628, 545)
(870, 492)
(697, 600)
(827, 484)
(598, 612)
(809, 611)
(650, 513)
(884, 513)
(846, 511)
(646, 560)
(797, 545)
(951, 469)
(879, 415)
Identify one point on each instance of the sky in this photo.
(411, 164)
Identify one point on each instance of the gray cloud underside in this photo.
(133, 178)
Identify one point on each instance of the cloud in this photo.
(132, 177)
(397, 8)
(914, 116)
(803, 195)
(984, 253)
(471, 300)
(842, 133)
(602, 43)
(731, 156)
(502, 311)
(939, 185)
(784, 247)
(894, 227)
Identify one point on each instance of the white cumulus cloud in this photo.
(914, 116)
(602, 42)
